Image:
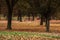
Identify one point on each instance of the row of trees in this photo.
(45, 8)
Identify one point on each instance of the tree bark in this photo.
(28, 16)
(0, 11)
(41, 22)
(20, 17)
(4, 15)
(32, 17)
(9, 18)
(47, 25)
(10, 5)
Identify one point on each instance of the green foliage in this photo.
(23, 5)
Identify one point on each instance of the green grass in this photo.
(32, 34)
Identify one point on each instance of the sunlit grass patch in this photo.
(28, 34)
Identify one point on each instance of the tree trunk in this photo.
(10, 5)
(4, 15)
(47, 25)
(28, 16)
(20, 17)
(41, 22)
(32, 17)
(0, 11)
(9, 19)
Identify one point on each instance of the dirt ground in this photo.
(31, 26)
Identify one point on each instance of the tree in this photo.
(49, 11)
(47, 8)
(34, 7)
(41, 21)
(38, 5)
(24, 6)
(32, 16)
(0, 7)
(10, 6)
(19, 15)
(52, 6)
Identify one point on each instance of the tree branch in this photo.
(7, 2)
(14, 2)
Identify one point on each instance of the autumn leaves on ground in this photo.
(32, 26)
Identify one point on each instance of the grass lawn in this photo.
(29, 34)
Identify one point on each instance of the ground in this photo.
(30, 26)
